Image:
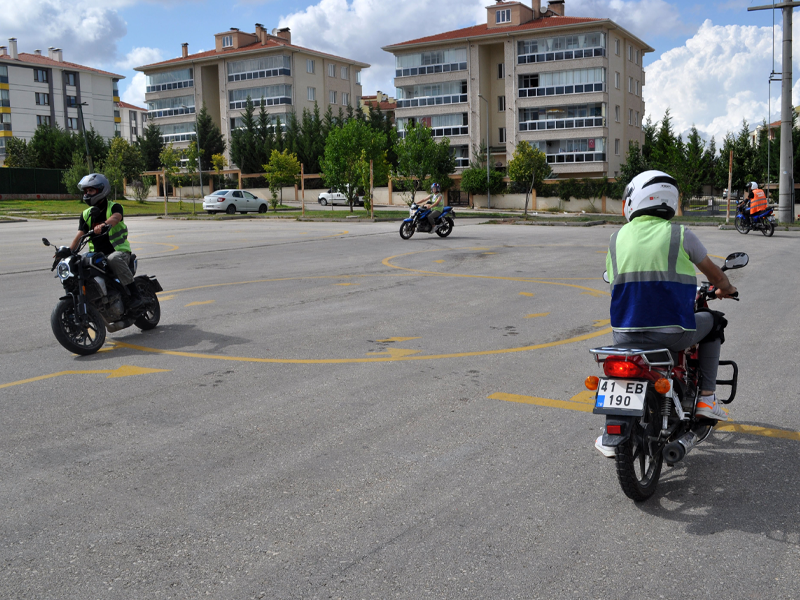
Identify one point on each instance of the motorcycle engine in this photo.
(115, 308)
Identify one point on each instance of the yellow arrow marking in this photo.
(530, 294)
(438, 261)
(584, 402)
(395, 353)
(602, 323)
(398, 339)
(537, 315)
(123, 371)
(199, 303)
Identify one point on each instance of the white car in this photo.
(335, 197)
(233, 201)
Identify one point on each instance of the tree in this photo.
(246, 152)
(123, 161)
(169, 158)
(343, 151)
(150, 146)
(421, 159)
(209, 137)
(474, 179)
(281, 171)
(634, 164)
(192, 160)
(20, 154)
(528, 167)
(77, 171)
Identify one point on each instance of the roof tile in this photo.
(36, 59)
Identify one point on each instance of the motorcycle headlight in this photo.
(63, 271)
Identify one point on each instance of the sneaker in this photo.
(606, 451)
(708, 407)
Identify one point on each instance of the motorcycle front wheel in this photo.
(80, 339)
(152, 315)
(406, 229)
(445, 229)
(741, 226)
(638, 461)
(768, 228)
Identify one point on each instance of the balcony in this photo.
(562, 90)
(174, 85)
(527, 59)
(432, 101)
(431, 69)
(576, 157)
(562, 124)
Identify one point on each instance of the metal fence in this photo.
(15, 180)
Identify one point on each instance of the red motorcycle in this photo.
(649, 397)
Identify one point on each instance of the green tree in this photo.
(20, 154)
(192, 155)
(474, 179)
(633, 165)
(209, 137)
(77, 171)
(170, 160)
(420, 159)
(246, 152)
(281, 171)
(343, 151)
(528, 167)
(150, 146)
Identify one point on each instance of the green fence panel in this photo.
(31, 181)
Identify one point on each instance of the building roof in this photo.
(46, 61)
(130, 106)
(373, 101)
(254, 47)
(483, 29)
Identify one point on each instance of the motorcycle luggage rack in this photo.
(731, 382)
(653, 357)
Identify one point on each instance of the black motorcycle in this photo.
(94, 300)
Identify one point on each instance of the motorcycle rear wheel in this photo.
(768, 228)
(80, 339)
(406, 230)
(150, 318)
(741, 226)
(638, 472)
(445, 228)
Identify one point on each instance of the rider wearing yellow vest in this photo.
(651, 266)
(114, 242)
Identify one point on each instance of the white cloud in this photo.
(134, 93)
(140, 56)
(643, 18)
(716, 79)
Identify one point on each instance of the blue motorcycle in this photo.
(418, 221)
(763, 221)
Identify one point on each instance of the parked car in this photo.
(233, 201)
(336, 197)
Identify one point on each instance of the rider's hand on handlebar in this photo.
(100, 229)
(728, 292)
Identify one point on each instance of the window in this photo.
(636, 122)
(72, 101)
(637, 87)
(70, 77)
(312, 94)
(5, 122)
(616, 80)
(258, 68)
(4, 98)
(501, 70)
(630, 52)
(117, 131)
(616, 147)
(227, 41)
(237, 194)
(630, 116)
(42, 120)
(616, 47)
(332, 97)
(616, 113)
(630, 84)
(40, 75)
(637, 57)
(42, 99)
(358, 77)
(309, 66)
(3, 74)
(72, 123)
(345, 99)
(501, 135)
(501, 103)
(331, 70)
(502, 16)
(345, 73)
(270, 95)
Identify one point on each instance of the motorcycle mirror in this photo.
(605, 277)
(45, 241)
(737, 260)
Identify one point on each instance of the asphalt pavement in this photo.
(328, 411)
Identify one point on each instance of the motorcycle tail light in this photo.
(592, 382)
(663, 385)
(614, 429)
(619, 367)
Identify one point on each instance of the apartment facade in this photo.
(133, 120)
(46, 90)
(570, 86)
(265, 66)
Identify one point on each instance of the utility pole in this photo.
(730, 179)
(786, 174)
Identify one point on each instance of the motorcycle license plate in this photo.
(620, 397)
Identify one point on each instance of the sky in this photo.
(710, 67)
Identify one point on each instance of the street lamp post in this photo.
(85, 139)
(488, 156)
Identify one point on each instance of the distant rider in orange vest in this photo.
(758, 199)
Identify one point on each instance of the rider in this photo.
(758, 199)
(651, 265)
(113, 242)
(433, 200)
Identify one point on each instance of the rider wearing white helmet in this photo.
(651, 265)
(433, 201)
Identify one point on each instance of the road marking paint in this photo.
(123, 371)
(529, 294)
(537, 315)
(165, 298)
(200, 303)
(485, 253)
(397, 339)
(438, 261)
(344, 284)
(395, 353)
(584, 402)
(602, 322)
(594, 294)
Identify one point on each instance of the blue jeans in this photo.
(708, 354)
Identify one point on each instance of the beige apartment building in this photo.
(265, 66)
(38, 89)
(133, 120)
(570, 86)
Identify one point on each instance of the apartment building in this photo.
(570, 86)
(384, 102)
(46, 90)
(133, 120)
(265, 66)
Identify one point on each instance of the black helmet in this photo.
(98, 182)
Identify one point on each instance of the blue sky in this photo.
(710, 67)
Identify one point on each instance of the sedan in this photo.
(233, 201)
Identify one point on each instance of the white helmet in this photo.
(752, 186)
(651, 193)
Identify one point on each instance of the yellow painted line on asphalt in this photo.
(395, 352)
(537, 315)
(602, 322)
(165, 298)
(344, 284)
(333, 361)
(397, 339)
(438, 261)
(200, 303)
(530, 294)
(584, 402)
(123, 371)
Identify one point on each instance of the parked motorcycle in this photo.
(763, 221)
(94, 299)
(418, 221)
(649, 397)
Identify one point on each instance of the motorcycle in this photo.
(763, 221)
(94, 299)
(649, 397)
(418, 221)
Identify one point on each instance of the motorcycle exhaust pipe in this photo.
(677, 450)
(117, 325)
